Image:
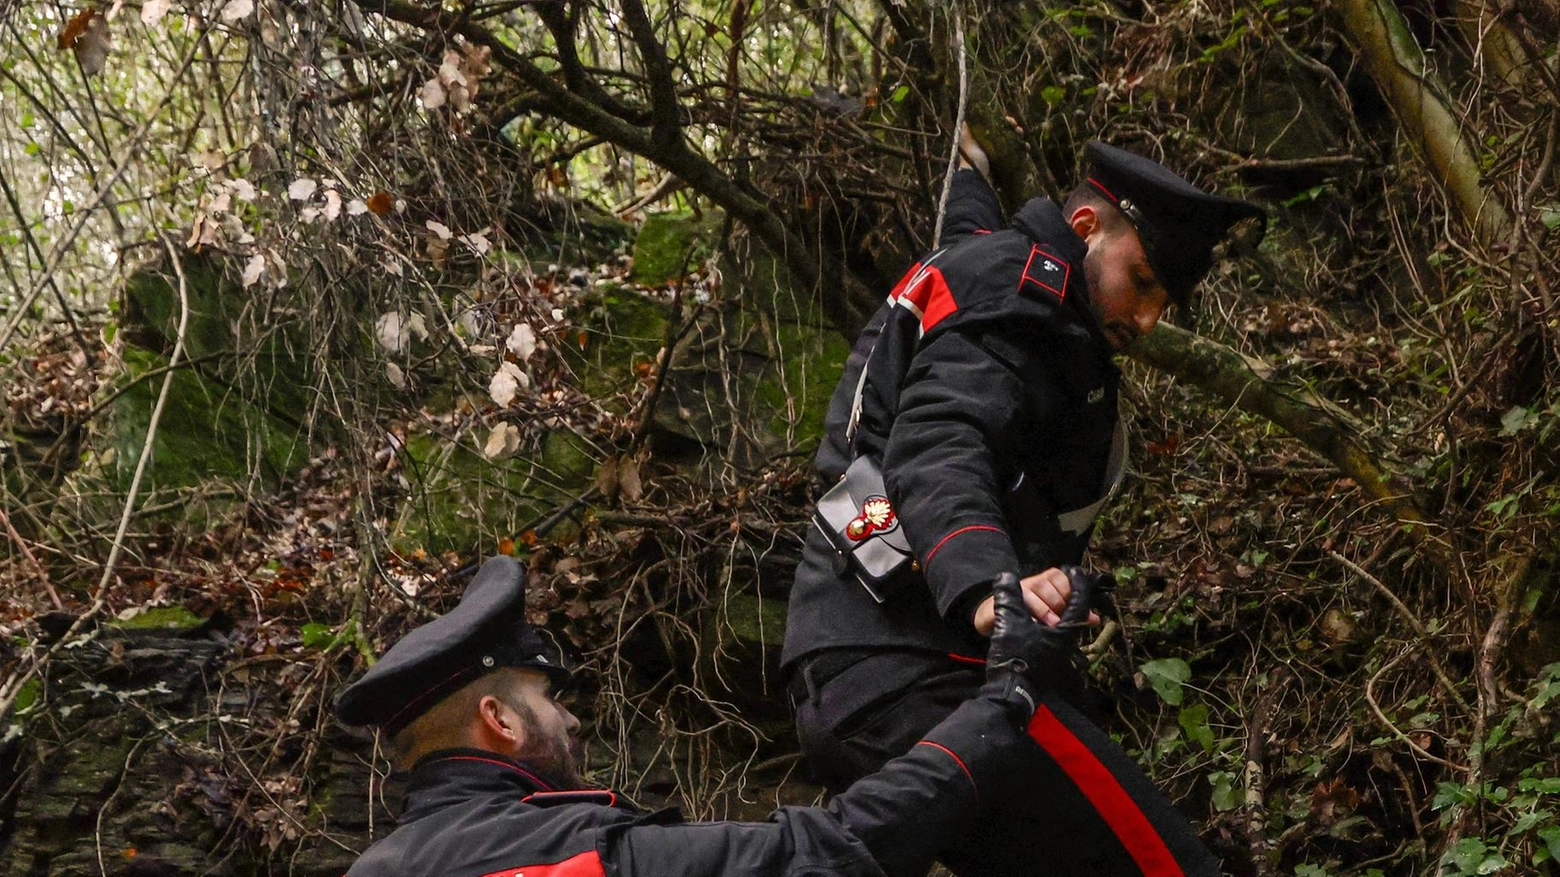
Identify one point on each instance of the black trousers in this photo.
(1086, 808)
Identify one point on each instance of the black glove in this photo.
(1027, 658)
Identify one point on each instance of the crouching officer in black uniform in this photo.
(975, 432)
(468, 700)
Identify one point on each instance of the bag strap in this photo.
(861, 380)
(1078, 520)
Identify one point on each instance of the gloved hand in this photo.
(1027, 658)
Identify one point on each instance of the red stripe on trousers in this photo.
(582, 865)
(1103, 790)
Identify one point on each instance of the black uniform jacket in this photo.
(989, 403)
(471, 813)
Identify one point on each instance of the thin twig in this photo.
(1370, 700)
(1413, 623)
(14, 685)
(32, 559)
(958, 121)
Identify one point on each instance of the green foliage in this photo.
(1472, 857)
(1194, 721)
(319, 636)
(1168, 676)
(671, 245)
(160, 618)
(1226, 795)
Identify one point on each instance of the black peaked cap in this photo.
(1178, 223)
(485, 631)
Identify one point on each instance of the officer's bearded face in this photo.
(550, 743)
(1124, 294)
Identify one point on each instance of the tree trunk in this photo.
(1397, 64)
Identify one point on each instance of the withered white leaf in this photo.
(254, 269)
(302, 189)
(396, 331)
(233, 10)
(432, 94)
(522, 341)
(449, 70)
(502, 441)
(440, 229)
(507, 383)
(152, 11)
(396, 376)
(357, 207)
(332, 204)
(478, 242)
(242, 189)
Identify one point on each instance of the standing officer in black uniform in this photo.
(984, 393)
(468, 699)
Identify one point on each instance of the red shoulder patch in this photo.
(1045, 272)
(928, 297)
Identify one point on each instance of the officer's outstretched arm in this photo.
(892, 822)
(897, 820)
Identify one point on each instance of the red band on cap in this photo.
(1101, 186)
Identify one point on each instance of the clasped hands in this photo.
(1045, 594)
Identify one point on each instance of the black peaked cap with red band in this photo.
(1178, 223)
(486, 631)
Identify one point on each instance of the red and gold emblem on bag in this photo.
(877, 516)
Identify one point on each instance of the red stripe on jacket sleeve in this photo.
(1104, 791)
(944, 540)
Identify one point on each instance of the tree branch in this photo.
(666, 127)
(808, 269)
(1244, 382)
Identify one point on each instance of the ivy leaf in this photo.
(1517, 420)
(1225, 796)
(1194, 721)
(1168, 675)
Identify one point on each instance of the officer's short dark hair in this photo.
(445, 725)
(1086, 195)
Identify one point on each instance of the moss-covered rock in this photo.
(237, 407)
(461, 501)
(162, 618)
(672, 244)
(207, 430)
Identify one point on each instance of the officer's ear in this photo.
(1085, 221)
(498, 725)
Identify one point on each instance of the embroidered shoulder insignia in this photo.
(1045, 272)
